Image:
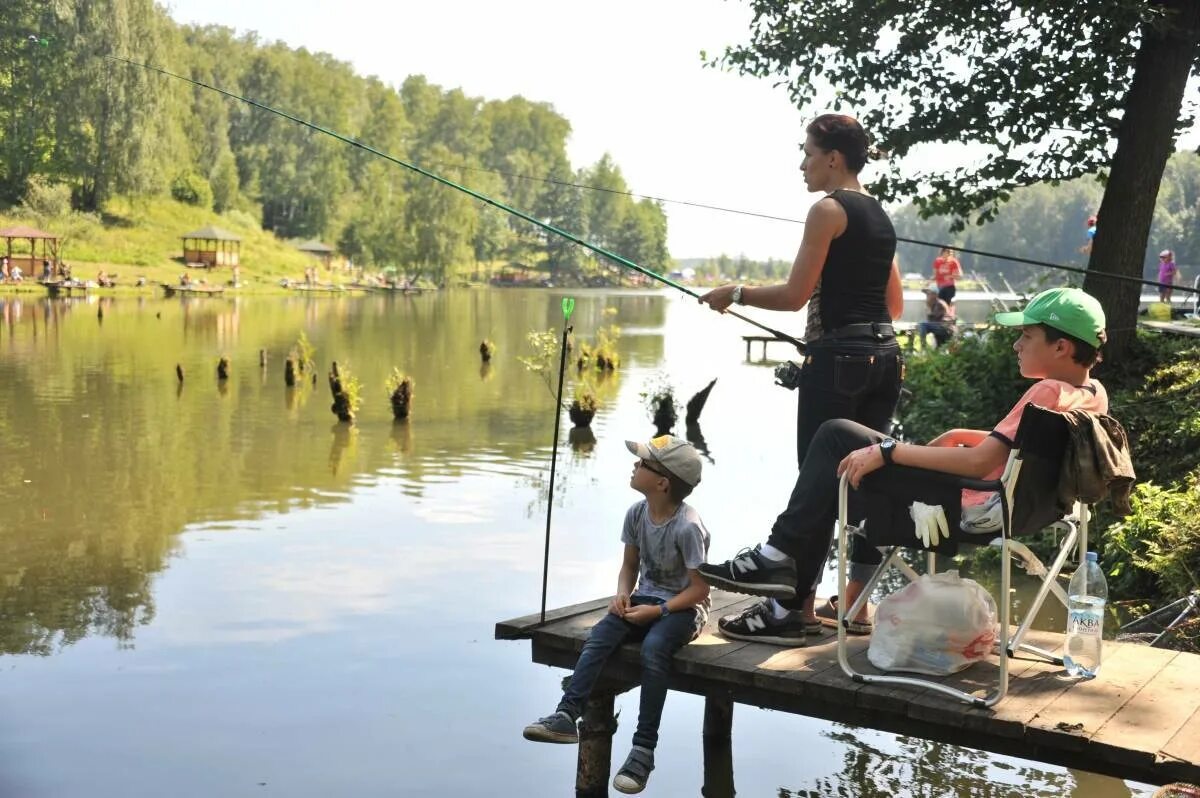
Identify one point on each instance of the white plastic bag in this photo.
(937, 625)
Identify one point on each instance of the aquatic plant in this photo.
(400, 392)
(347, 392)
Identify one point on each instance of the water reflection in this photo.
(266, 573)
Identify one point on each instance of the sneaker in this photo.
(634, 774)
(750, 572)
(556, 728)
(758, 624)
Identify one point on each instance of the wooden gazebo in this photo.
(30, 264)
(211, 246)
(322, 252)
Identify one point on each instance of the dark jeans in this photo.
(805, 529)
(857, 378)
(941, 331)
(660, 641)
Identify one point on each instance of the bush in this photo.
(1156, 549)
(46, 200)
(972, 383)
(193, 189)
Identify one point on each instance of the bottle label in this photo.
(1084, 622)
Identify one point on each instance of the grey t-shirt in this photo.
(667, 551)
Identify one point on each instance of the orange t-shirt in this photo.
(945, 270)
(1053, 395)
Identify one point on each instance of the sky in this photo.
(627, 74)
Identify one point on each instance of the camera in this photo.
(788, 375)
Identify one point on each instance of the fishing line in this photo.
(791, 220)
(799, 344)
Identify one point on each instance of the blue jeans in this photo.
(660, 641)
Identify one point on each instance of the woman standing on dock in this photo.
(845, 274)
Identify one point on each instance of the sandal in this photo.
(828, 614)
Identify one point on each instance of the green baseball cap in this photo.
(1068, 310)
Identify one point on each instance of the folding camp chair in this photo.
(1029, 500)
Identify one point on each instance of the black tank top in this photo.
(853, 284)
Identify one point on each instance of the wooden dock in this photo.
(1140, 719)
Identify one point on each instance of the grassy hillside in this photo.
(142, 238)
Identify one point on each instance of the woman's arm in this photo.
(895, 292)
(826, 221)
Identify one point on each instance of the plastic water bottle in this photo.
(1086, 595)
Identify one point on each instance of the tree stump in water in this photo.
(696, 404)
(486, 350)
(401, 399)
(262, 358)
(223, 368)
(289, 372)
(179, 373)
(664, 414)
(341, 407)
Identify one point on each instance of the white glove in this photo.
(930, 520)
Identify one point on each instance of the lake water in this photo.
(217, 590)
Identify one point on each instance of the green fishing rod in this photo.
(620, 261)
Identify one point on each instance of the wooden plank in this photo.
(1070, 720)
(519, 628)
(1148, 722)
(1034, 683)
(1180, 757)
(1112, 724)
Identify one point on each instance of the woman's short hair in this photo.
(844, 134)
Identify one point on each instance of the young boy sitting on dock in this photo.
(1062, 330)
(661, 600)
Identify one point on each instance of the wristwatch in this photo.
(887, 447)
(737, 294)
(665, 610)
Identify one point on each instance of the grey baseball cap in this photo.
(674, 454)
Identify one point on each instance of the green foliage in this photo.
(957, 75)
(585, 398)
(395, 380)
(109, 131)
(543, 360)
(303, 353)
(1156, 549)
(193, 189)
(972, 383)
(45, 200)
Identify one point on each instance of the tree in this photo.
(1046, 86)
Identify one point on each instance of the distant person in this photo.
(1168, 273)
(664, 607)
(939, 318)
(946, 269)
(1086, 249)
(15, 274)
(5, 271)
(47, 270)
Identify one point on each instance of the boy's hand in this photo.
(619, 604)
(860, 462)
(643, 614)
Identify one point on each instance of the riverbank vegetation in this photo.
(1152, 556)
(97, 148)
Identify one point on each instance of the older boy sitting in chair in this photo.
(1061, 332)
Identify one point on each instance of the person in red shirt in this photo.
(945, 269)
